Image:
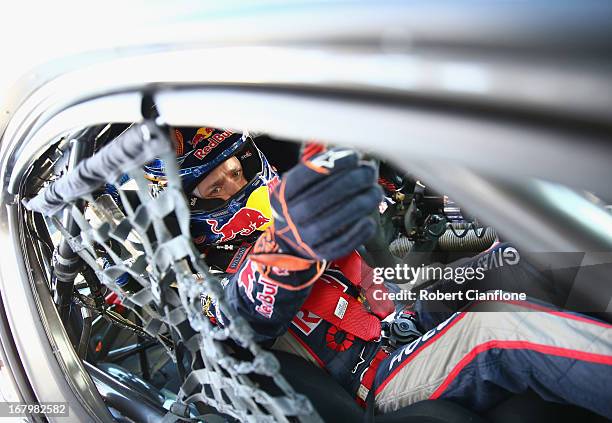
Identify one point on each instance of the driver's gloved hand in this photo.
(321, 211)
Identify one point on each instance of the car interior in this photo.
(422, 226)
(485, 123)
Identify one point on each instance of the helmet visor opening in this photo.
(251, 166)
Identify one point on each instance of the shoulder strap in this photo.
(355, 269)
(342, 310)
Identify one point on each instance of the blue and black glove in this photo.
(322, 210)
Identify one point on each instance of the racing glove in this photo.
(321, 211)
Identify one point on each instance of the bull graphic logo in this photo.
(246, 279)
(201, 135)
(244, 222)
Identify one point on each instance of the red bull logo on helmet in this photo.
(244, 222)
(214, 140)
(201, 135)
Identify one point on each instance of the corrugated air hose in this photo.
(400, 247)
(466, 237)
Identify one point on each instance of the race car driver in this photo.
(287, 247)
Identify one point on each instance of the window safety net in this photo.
(228, 370)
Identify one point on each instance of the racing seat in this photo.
(334, 404)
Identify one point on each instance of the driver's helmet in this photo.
(216, 220)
